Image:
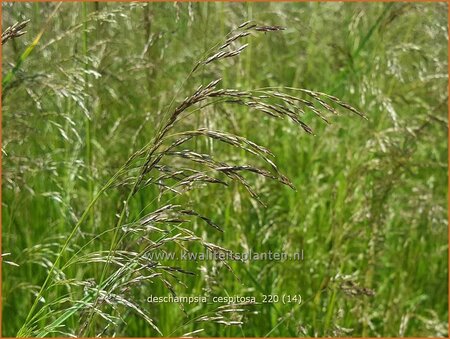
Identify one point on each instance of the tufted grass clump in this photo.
(136, 133)
(169, 162)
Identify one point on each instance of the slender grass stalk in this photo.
(6, 82)
(329, 314)
(24, 331)
(88, 118)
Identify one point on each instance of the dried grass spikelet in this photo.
(14, 31)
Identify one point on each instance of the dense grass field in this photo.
(112, 154)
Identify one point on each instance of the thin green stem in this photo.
(23, 329)
(88, 120)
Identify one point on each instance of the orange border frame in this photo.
(448, 117)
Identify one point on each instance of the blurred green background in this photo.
(370, 210)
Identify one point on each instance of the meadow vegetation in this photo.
(130, 129)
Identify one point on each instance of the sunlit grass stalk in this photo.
(6, 81)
